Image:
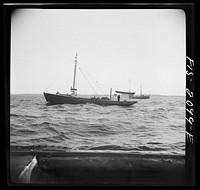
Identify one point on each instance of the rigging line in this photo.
(96, 83)
(59, 75)
(87, 80)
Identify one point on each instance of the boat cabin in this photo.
(124, 95)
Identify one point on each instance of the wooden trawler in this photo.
(72, 98)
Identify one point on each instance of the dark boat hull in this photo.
(67, 99)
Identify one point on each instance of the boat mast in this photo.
(73, 89)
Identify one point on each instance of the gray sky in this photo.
(117, 49)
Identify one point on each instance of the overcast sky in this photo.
(119, 49)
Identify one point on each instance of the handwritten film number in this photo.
(190, 67)
(188, 102)
(189, 137)
(191, 111)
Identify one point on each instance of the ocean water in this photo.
(151, 126)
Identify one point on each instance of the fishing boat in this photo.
(59, 98)
(141, 96)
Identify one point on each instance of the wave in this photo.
(46, 139)
(38, 148)
(111, 147)
(154, 143)
(177, 126)
(159, 109)
(50, 129)
(15, 126)
(25, 115)
(171, 109)
(14, 106)
(123, 148)
(147, 148)
(100, 130)
(42, 123)
(92, 127)
(159, 116)
(45, 123)
(14, 115)
(26, 132)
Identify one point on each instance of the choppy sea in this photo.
(151, 126)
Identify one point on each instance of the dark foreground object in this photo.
(81, 168)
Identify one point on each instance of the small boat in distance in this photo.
(72, 98)
(141, 96)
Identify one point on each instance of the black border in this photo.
(188, 8)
